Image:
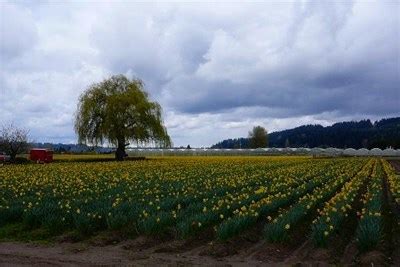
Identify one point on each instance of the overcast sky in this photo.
(216, 69)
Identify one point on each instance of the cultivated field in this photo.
(194, 210)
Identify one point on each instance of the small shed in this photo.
(41, 155)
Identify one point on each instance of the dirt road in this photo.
(144, 251)
(138, 252)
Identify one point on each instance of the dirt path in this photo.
(396, 165)
(395, 223)
(131, 252)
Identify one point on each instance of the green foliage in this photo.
(235, 226)
(278, 230)
(258, 137)
(12, 214)
(338, 208)
(156, 224)
(218, 196)
(20, 232)
(382, 134)
(370, 228)
(369, 232)
(274, 199)
(124, 215)
(197, 222)
(119, 110)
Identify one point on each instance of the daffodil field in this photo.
(225, 196)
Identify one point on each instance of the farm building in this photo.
(41, 155)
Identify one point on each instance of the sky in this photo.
(217, 69)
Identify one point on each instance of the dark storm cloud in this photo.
(353, 91)
(347, 67)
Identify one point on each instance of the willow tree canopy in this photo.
(118, 110)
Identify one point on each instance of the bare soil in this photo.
(394, 211)
(141, 251)
(153, 251)
(396, 165)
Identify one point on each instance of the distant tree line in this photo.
(362, 134)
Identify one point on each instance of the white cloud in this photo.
(217, 68)
(18, 32)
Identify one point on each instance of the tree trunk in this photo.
(120, 153)
(13, 156)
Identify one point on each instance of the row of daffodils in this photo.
(188, 195)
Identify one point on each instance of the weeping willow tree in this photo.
(118, 110)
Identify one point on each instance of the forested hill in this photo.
(382, 134)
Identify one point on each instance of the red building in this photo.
(4, 157)
(41, 155)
